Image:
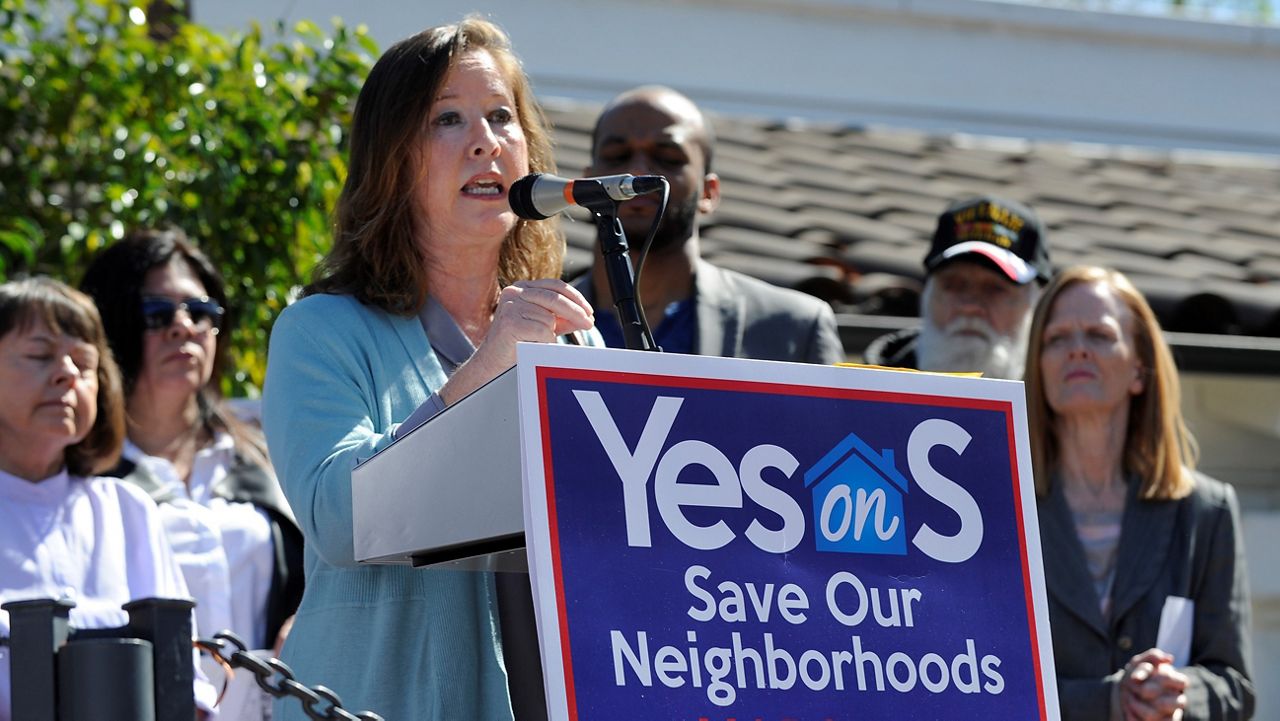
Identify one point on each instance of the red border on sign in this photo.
(1026, 570)
(545, 373)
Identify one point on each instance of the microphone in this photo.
(540, 196)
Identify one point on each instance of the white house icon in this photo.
(853, 486)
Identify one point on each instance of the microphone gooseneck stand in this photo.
(617, 264)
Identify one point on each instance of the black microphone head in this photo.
(521, 198)
(642, 184)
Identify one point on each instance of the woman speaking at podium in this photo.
(431, 282)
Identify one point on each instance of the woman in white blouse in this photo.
(65, 533)
(162, 304)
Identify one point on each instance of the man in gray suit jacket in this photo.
(692, 305)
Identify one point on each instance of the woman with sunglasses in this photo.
(163, 305)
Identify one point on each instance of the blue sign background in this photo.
(609, 585)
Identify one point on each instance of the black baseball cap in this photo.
(997, 232)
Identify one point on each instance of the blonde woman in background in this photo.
(1127, 527)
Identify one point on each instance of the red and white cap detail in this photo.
(1018, 270)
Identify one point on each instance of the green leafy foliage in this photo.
(238, 140)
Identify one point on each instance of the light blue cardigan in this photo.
(411, 645)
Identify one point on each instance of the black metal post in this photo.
(38, 628)
(166, 623)
(106, 679)
(60, 674)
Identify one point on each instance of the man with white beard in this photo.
(984, 270)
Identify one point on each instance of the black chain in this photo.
(330, 706)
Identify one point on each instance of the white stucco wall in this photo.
(1261, 532)
(1236, 420)
(967, 65)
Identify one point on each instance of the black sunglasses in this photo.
(158, 312)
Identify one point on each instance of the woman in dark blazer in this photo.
(1128, 530)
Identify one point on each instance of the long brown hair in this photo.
(66, 311)
(1158, 448)
(374, 255)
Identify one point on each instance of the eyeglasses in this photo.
(158, 313)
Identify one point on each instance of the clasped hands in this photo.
(1151, 689)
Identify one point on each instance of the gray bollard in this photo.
(106, 679)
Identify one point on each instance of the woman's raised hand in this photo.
(537, 310)
(528, 310)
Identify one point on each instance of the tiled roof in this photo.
(846, 213)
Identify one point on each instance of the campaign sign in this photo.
(726, 539)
